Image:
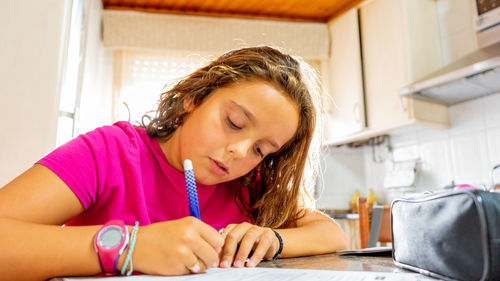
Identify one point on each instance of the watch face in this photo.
(110, 237)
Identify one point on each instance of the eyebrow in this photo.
(251, 117)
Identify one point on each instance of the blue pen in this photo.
(192, 193)
(194, 208)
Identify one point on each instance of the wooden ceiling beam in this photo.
(216, 14)
(285, 10)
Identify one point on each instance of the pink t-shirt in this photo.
(119, 172)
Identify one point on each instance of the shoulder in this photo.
(120, 133)
(119, 130)
(120, 141)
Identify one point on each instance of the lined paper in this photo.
(272, 274)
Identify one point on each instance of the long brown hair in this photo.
(279, 198)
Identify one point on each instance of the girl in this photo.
(246, 120)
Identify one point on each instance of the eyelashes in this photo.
(233, 126)
(258, 151)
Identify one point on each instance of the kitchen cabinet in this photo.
(344, 105)
(400, 44)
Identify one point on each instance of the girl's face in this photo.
(232, 131)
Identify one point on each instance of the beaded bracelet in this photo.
(128, 259)
(281, 245)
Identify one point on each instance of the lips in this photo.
(218, 168)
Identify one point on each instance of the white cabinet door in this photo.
(344, 84)
(401, 44)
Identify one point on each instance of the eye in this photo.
(258, 151)
(232, 124)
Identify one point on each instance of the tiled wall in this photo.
(464, 153)
(343, 172)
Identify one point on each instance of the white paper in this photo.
(370, 250)
(272, 274)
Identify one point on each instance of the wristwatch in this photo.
(110, 242)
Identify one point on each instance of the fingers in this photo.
(265, 248)
(231, 241)
(206, 249)
(224, 231)
(192, 264)
(212, 236)
(181, 260)
(249, 239)
(205, 252)
(246, 242)
(195, 268)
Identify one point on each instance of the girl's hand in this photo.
(177, 247)
(261, 240)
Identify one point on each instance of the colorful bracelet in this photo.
(278, 253)
(128, 259)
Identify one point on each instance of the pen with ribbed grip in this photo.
(192, 193)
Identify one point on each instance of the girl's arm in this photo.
(314, 234)
(35, 247)
(37, 252)
(33, 244)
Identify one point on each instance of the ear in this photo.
(188, 105)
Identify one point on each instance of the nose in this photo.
(240, 147)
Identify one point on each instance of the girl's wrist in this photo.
(280, 245)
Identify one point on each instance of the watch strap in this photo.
(108, 258)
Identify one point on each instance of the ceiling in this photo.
(292, 10)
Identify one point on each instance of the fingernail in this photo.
(224, 263)
(250, 263)
(237, 263)
(214, 265)
(195, 269)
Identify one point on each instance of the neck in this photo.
(171, 149)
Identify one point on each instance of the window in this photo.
(68, 103)
(141, 76)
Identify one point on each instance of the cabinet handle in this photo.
(402, 104)
(356, 113)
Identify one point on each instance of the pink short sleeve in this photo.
(90, 161)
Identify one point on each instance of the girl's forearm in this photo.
(38, 252)
(313, 238)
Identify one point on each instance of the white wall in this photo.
(32, 59)
(464, 153)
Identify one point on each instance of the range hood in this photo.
(475, 75)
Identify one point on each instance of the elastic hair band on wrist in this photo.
(278, 253)
(128, 259)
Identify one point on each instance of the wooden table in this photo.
(337, 262)
(333, 261)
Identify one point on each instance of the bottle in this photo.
(371, 198)
(354, 202)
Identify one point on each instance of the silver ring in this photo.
(195, 267)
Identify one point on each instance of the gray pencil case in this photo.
(453, 235)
